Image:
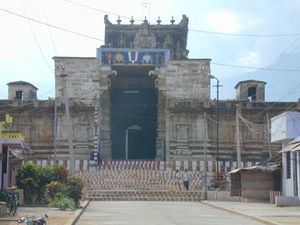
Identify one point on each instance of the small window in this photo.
(288, 165)
(19, 95)
(252, 93)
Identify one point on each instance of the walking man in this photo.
(178, 179)
(186, 179)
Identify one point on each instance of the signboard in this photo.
(11, 135)
(115, 56)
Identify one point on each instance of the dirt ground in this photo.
(56, 217)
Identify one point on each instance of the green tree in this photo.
(48, 184)
(74, 189)
(43, 177)
(33, 179)
(26, 179)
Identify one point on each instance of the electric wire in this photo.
(256, 68)
(280, 60)
(289, 49)
(50, 25)
(49, 30)
(253, 127)
(220, 64)
(193, 30)
(98, 39)
(98, 10)
(36, 40)
(245, 35)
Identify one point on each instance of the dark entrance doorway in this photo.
(133, 99)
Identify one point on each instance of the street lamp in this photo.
(133, 127)
(217, 118)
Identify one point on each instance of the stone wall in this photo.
(34, 119)
(183, 96)
(180, 129)
(82, 117)
(186, 86)
(188, 79)
(82, 78)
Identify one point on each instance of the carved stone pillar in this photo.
(161, 143)
(105, 81)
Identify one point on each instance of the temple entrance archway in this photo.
(133, 101)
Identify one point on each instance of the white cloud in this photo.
(224, 21)
(250, 58)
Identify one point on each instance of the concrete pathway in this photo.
(263, 212)
(166, 213)
(56, 217)
(158, 213)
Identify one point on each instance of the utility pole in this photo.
(205, 159)
(68, 123)
(217, 118)
(217, 115)
(238, 148)
(55, 131)
(269, 136)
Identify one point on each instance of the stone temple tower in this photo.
(149, 97)
(145, 36)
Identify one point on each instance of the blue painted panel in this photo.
(114, 56)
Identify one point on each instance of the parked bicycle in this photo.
(12, 201)
(33, 220)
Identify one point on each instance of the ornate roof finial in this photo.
(132, 20)
(158, 21)
(172, 20)
(145, 20)
(119, 20)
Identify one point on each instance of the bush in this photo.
(3, 195)
(74, 189)
(26, 180)
(43, 177)
(45, 184)
(31, 189)
(60, 174)
(62, 202)
(53, 188)
(24, 171)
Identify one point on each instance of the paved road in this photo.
(158, 213)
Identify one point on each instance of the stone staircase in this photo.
(143, 195)
(139, 184)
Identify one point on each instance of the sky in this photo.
(239, 36)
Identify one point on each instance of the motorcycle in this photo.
(219, 183)
(33, 220)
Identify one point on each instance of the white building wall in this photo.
(285, 126)
(286, 187)
(288, 183)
